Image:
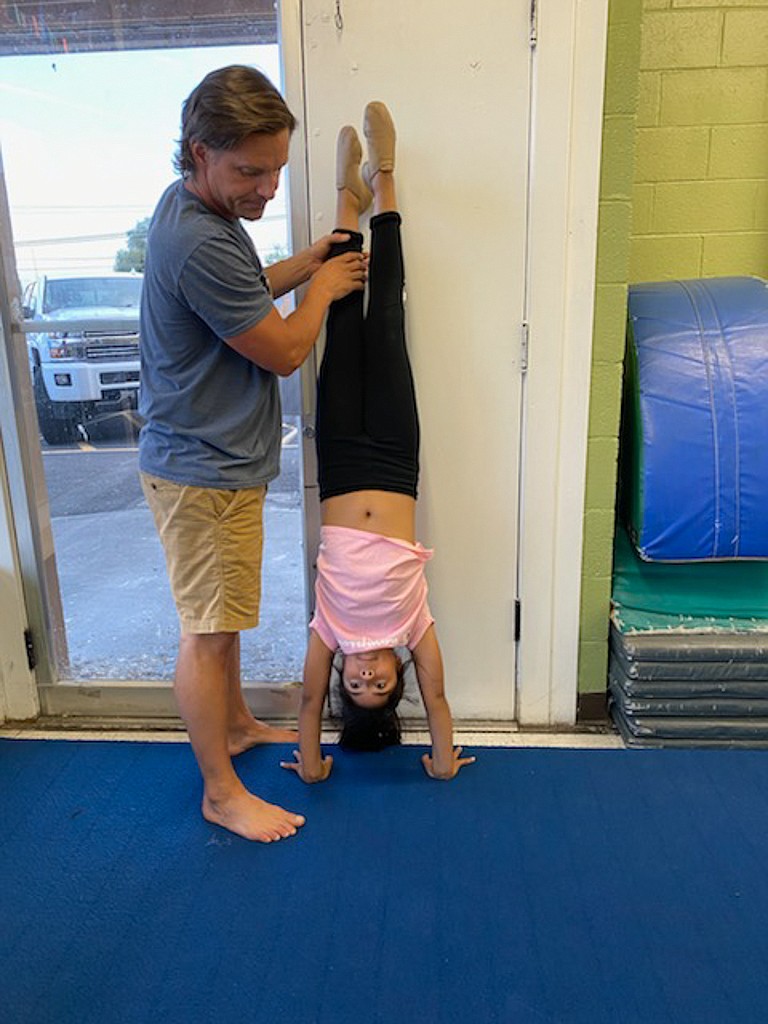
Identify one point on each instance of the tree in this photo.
(276, 253)
(134, 255)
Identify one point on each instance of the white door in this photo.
(456, 79)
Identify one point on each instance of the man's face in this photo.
(240, 182)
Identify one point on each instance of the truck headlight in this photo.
(68, 347)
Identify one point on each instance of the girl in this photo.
(371, 592)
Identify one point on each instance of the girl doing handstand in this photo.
(371, 592)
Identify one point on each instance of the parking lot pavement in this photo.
(119, 616)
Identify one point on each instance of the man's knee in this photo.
(211, 645)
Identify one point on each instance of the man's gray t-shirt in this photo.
(212, 416)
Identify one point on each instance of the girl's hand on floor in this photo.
(309, 777)
(456, 765)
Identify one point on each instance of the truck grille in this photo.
(117, 347)
(120, 377)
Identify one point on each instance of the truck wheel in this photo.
(55, 429)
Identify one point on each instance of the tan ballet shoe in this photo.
(379, 131)
(349, 153)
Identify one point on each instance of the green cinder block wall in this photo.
(701, 178)
(683, 193)
(613, 254)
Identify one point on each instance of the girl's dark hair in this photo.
(367, 728)
(226, 107)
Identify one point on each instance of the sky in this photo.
(88, 142)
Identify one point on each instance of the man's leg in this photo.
(201, 529)
(243, 729)
(203, 696)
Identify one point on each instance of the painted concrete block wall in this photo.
(613, 254)
(701, 183)
(686, 119)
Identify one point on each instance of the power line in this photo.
(79, 209)
(76, 238)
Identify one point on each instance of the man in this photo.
(213, 345)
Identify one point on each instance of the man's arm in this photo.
(309, 763)
(445, 761)
(285, 275)
(282, 345)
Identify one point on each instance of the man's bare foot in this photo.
(251, 817)
(251, 732)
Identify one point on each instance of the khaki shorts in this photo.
(213, 542)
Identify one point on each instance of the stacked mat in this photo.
(689, 629)
(689, 651)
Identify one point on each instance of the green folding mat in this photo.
(664, 597)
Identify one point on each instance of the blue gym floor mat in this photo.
(539, 887)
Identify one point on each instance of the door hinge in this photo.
(533, 24)
(524, 338)
(517, 620)
(29, 644)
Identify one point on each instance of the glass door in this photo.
(91, 98)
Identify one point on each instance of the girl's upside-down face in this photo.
(370, 676)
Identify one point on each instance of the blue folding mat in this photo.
(695, 427)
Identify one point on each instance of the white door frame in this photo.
(569, 71)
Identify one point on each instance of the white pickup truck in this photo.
(85, 360)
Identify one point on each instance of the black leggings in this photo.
(367, 425)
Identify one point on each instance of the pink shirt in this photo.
(370, 592)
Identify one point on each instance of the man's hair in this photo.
(226, 107)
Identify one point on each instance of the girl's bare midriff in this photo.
(391, 515)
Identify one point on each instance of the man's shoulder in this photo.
(181, 214)
(182, 226)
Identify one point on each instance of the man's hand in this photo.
(341, 275)
(319, 250)
(439, 772)
(309, 777)
(287, 274)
